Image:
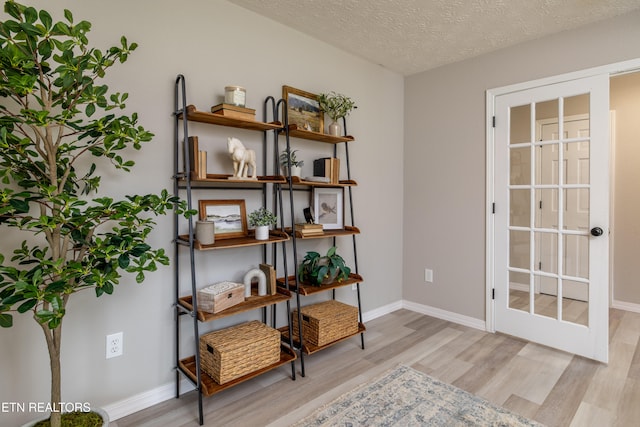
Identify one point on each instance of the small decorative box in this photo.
(220, 296)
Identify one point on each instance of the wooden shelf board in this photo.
(237, 242)
(251, 303)
(347, 231)
(309, 348)
(297, 181)
(210, 387)
(307, 289)
(194, 115)
(222, 180)
(317, 136)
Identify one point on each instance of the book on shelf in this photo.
(328, 167)
(234, 112)
(308, 229)
(270, 273)
(202, 164)
(194, 159)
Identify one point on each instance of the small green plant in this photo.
(285, 157)
(317, 269)
(336, 105)
(262, 216)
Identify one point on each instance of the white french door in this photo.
(551, 221)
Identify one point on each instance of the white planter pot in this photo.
(262, 232)
(295, 171)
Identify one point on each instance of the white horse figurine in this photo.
(243, 159)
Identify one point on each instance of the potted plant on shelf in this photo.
(336, 106)
(289, 158)
(262, 219)
(321, 270)
(57, 124)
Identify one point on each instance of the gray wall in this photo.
(214, 44)
(625, 101)
(444, 161)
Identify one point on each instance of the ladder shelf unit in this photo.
(185, 306)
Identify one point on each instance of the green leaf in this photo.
(6, 320)
(68, 15)
(46, 20)
(27, 305)
(123, 261)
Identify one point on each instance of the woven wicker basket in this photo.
(326, 322)
(230, 353)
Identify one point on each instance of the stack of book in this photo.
(234, 112)
(328, 167)
(197, 159)
(307, 229)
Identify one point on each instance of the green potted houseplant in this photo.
(319, 269)
(58, 122)
(336, 106)
(262, 219)
(289, 158)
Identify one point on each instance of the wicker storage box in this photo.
(230, 353)
(326, 322)
(220, 296)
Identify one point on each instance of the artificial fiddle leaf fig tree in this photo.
(57, 123)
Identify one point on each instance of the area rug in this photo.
(407, 397)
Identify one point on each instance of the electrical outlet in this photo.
(428, 275)
(114, 345)
(354, 286)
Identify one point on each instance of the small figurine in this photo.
(243, 159)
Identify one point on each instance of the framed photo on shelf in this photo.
(304, 109)
(229, 216)
(328, 207)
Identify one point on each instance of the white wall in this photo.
(445, 154)
(213, 43)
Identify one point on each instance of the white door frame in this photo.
(491, 94)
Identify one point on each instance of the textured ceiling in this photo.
(409, 36)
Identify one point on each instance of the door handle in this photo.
(597, 231)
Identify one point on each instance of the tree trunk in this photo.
(53, 345)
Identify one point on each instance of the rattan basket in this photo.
(326, 322)
(230, 353)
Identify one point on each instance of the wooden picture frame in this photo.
(229, 216)
(328, 207)
(303, 109)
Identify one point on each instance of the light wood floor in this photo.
(552, 387)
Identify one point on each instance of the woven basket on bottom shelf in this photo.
(326, 322)
(230, 353)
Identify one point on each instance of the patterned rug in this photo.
(406, 397)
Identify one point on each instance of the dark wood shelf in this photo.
(237, 242)
(317, 136)
(346, 231)
(209, 387)
(309, 348)
(296, 181)
(193, 115)
(251, 303)
(225, 181)
(308, 289)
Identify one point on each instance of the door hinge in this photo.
(540, 204)
(493, 293)
(494, 121)
(539, 265)
(493, 208)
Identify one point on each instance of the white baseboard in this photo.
(160, 394)
(627, 306)
(460, 319)
(146, 399)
